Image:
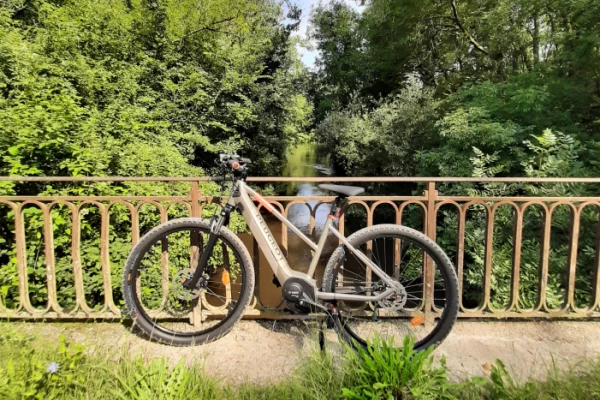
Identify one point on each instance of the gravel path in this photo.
(263, 351)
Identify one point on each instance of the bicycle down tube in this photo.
(277, 259)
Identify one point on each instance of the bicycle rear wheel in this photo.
(163, 259)
(402, 253)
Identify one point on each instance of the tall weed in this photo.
(382, 371)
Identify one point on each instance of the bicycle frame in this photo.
(241, 199)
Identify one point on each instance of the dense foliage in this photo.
(145, 87)
(135, 88)
(470, 88)
(432, 80)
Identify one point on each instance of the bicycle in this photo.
(189, 280)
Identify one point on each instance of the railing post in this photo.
(429, 273)
(195, 198)
(196, 242)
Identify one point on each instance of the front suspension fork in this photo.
(216, 223)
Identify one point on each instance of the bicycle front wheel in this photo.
(402, 253)
(162, 308)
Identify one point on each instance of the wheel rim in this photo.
(157, 292)
(403, 259)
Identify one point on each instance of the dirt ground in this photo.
(263, 351)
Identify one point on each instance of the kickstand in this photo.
(375, 315)
(322, 326)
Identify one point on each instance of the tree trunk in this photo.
(536, 39)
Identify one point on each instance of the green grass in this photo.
(379, 373)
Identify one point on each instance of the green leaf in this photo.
(13, 151)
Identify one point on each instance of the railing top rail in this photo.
(294, 179)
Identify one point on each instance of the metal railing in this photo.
(430, 204)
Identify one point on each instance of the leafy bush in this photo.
(140, 380)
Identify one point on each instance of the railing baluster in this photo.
(135, 225)
(105, 260)
(397, 247)
(76, 260)
(595, 300)
(256, 262)
(313, 211)
(24, 302)
(460, 249)
(545, 260)
(226, 269)
(516, 264)
(342, 221)
(489, 248)
(369, 276)
(50, 262)
(284, 231)
(574, 233)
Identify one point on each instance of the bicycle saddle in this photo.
(343, 190)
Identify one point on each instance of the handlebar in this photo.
(233, 161)
(236, 164)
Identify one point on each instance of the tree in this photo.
(135, 88)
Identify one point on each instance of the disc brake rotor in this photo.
(396, 301)
(182, 293)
